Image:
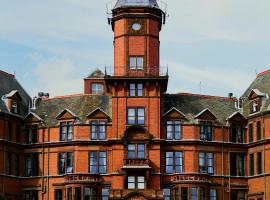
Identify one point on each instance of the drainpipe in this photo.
(222, 163)
(48, 164)
(43, 164)
(264, 164)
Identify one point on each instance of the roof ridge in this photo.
(205, 96)
(6, 73)
(69, 96)
(263, 73)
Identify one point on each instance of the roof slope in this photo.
(137, 3)
(262, 84)
(9, 84)
(80, 105)
(192, 104)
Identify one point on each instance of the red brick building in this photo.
(126, 138)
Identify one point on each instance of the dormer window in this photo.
(66, 131)
(14, 107)
(136, 62)
(97, 88)
(173, 130)
(255, 106)
(206, 130)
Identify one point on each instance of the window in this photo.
(97, 88)
(98, 130)
(242, 195)
(194, 193)
(78, 193)
(58, 194)
(31, 135)
(89, 193)
(97, 162)
(9, 164)
(237, 133)
(65, 163)
(136, 182)
(30, 195)
(173, 130)
(136, 151)
(206, 131)
(258, 130)
(206, 163)
(136, 62)
(237, 164)
(259, 163)
(213, 194)
(202, 193)
(66, 129)
(14, 107)
(105, 194)
(69, 194)
(167, 193)
(174, 162)
(136, 89)
(184, 193)
(31, 165)
(9, 131)
(254, 106)
(251, 164)
(17, 164)
(250, 132)
(18, 129)
(136, 116)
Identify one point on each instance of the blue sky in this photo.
(51, 45)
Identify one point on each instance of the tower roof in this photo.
(136, 3)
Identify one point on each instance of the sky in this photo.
(211, 47)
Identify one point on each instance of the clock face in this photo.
(136, 26)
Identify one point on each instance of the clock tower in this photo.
(136, 85)
(136, 25)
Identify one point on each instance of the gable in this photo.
(237, 117)
(66, 114)
(32, 118)
(254, 94)
(14, 95)
(174, 114)
(205, 115)
(98, 114)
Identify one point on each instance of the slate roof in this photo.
(262, 84)
(81, 105)
(192, 104)
(96, 74)
(9, 84)
(136, 3)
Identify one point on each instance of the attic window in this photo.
(255, 106)
(14, 107)
(97, 88)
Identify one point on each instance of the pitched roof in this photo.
(261, 84)
(96, 74)
(136, 3)
(192, 104)
(82, 105)
(9, 85)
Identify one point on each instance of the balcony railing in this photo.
(136, 162)
(147, 193)
(121, 71)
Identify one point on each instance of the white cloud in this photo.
(58, 77)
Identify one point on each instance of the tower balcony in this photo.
(136, 164)
(123, 71)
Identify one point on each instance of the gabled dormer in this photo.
(255, 98)
(98, 114)
(32, 118)
(14, 100)
(237, 123)
(174, 113)
(206, 120)
(205, 115)
(66, 114)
